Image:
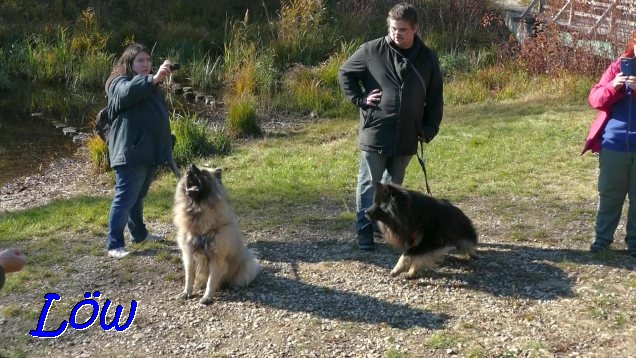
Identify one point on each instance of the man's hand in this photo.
(373, 99)
(11, 260)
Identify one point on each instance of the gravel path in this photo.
(318, 296)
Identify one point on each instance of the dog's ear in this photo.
(193, 168)
(216, 172)
(380, 190)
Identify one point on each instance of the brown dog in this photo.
(211, 243)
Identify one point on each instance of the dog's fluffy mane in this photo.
(199, 200)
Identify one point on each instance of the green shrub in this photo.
(98, 152)
(195, 139)
(241, 116)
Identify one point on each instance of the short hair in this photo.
(403, 11)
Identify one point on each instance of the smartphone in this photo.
(175, 66)
(627, 66)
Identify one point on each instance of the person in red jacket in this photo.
(614, 135)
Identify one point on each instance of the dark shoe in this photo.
(366, 246)
(631, 246)
(365, 240)
(599, 246)
(150, 238)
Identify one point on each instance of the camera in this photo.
(175, 66)
(628, 66)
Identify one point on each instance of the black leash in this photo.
(420, 158)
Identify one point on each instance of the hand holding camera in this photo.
(165, 70)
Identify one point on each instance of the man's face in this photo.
(401, 33)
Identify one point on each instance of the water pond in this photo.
(32, 119)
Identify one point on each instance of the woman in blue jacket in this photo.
(139, 141)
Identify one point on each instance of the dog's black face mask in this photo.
(375, 212)
(196, 187)
(390, 204)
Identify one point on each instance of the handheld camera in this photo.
(175, 66)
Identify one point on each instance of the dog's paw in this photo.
(411, 275)
(205, 300)
(184, 296)
(395, 272)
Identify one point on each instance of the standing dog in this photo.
(423, 227)
(208, 235)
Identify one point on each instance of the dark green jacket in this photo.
(406, 110)
(140, 132)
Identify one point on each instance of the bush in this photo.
(98, 152)
(241, 117)
(195, 139)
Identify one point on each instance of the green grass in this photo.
(498, 152)
(514, 161)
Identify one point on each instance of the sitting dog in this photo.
(208, 235)
(424, 228)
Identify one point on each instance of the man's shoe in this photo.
(365, 242)
(599, 246)
(118, 253)
(631, 246)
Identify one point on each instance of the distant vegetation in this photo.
(280, 55)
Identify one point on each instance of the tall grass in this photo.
(93, 70)
(316, 89)
(206, 73)
(195, 139)
(242, 120)
(302, 32)
(98, 152)
(503, 82)
(248, 66)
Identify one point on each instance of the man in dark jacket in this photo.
(396, 82)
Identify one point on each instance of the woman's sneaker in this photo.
(153, 237)
(118, 253)
(150, 237)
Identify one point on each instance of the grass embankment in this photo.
(517, 159)
(513, 166)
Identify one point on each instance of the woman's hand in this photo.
(631, 82)
(619, 81)
(162, 72)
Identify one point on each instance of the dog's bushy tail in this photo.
(248, 271)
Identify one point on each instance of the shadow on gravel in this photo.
(503, 270)
(293, 295)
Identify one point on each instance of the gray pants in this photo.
(376, 167)
(616, 180)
